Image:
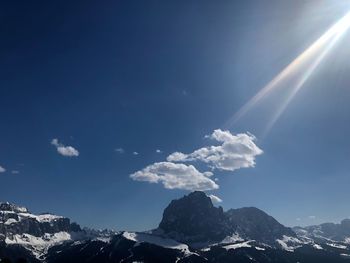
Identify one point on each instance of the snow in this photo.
(317, 246)
(259, 248)
(21, 209)
(205, 246)
(48, 218)
(156, 240)
(347, 240)
(245, 244)
(6, 212)
(39, 245)
(10, 221)
(238, 245)
(336, 246)
(130, 236)
(103, 239)
(14, 208)
(41, 218)
(231, 239)
(289, 243)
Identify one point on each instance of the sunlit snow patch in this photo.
(156, 240)
(336, 246)
(289, 243)
(39, 245)
(238, 245)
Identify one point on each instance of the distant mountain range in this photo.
(192, 230)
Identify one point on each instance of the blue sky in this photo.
(161, 76)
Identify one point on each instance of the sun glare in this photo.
(302, 67)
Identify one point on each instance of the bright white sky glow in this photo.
(300, 69)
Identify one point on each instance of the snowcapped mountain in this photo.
(192, 230)
(38, 233)
(328, 235)
(328, 231)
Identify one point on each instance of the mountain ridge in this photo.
(192, 229)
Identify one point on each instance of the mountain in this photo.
(327, 232)
(16, 221)
(192, 229)
(22, 232)
(193, 218)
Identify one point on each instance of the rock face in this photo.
(253, 223)
(12, 208)
(15, 220)
(193, 218)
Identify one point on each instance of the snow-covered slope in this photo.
(156, 240)
(36, 233)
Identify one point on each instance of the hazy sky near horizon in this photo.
(93, 92)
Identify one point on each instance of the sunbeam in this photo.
(299, 84)
(311, 57)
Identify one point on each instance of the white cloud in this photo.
(2, 169)
(235, 152)
(177, 157)
(215, 199)
(176, 176)
(158, 151)
(68, 151)
(312, 217)
(135, 153)
(15, 172)
(119, 150)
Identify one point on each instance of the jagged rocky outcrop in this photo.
(16, 220)
(194, 218)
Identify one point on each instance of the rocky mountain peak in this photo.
(194, 218)
(198, 200)
(6, 206)
(17, 220)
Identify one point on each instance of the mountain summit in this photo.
(194, 218)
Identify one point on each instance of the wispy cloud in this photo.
(2, 169)
(235, 152)
(67, 151)
(215, 199)
(15, 172)
(119, 150)
(176, 176)
(135, 153)
(312, 217)
(158, 151)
